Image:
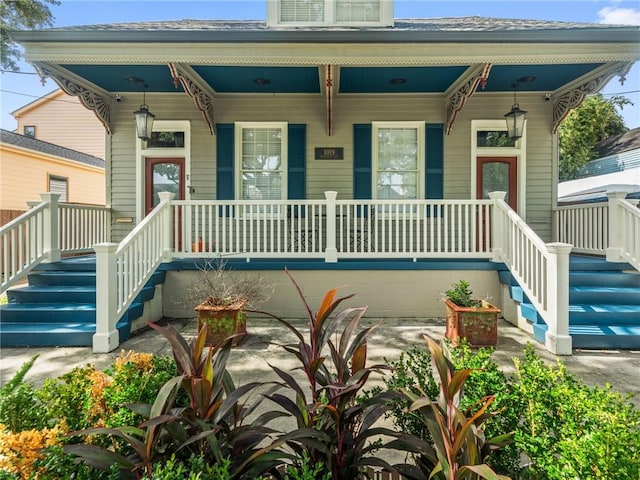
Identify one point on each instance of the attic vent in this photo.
(330, 13)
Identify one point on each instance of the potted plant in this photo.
(222, 300)
(470, 318)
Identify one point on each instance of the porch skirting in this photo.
(394, 288)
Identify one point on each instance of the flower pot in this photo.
(479, 325)
(222, 322)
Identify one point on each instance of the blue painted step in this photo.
(604, 304)
(57, 308)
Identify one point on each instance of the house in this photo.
(350, 147)
(49, 117)
(29, 166)
(617, 168)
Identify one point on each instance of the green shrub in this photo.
(67, 397)
(19, 406)
(570, 430)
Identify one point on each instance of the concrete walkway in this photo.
(250, 361)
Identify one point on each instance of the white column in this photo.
(167, 221)
(106, 337)
(616, 228)
(557, 339)
(51, 246)
(497, 227)
(331, 252)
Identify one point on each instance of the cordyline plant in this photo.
(212, 425)
(335, 427)
(459, 447)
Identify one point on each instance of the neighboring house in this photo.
(259, 125)
(617, 169)
(61, 119)
(29, 166)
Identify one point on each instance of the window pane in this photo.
(398, 163)
(166, 178)
(495, 178)
(30, 131)
(166, 140)
(358, 10)
(261, 163)
(494, 138)
(304, 11)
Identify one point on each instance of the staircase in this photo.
(58, 306)
(604, 304)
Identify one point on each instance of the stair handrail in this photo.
(28, 240)
(624, 230)
(541, 269)
(123, 269)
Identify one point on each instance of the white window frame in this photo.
(420, 132)
(142, 152)
(64, 198)
(330, 7)
(239, 127)
(519, 150)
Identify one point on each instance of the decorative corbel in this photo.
(90, 97)
(197, 89)
(574, 96)
(328, 74)
(465, 87)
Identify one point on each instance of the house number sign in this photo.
(329, 153)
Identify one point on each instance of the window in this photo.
(29, 131)
(59, 185)
(261, 159)
(330, 12)
(398, 152)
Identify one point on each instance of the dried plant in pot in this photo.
(222, 299)
(470, 318)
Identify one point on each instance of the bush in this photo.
(570, 430)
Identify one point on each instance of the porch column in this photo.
(497, 228)
(616, 228)
(50, 234)
(331, 252)
(107, 337)
(557, 338)
(167, 221)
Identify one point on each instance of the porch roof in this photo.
(447, 57)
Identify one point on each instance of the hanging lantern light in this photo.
(144, 119)
(515, 117)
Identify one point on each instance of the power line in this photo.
(37, 96)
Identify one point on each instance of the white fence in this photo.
(333, 229)
(45, 232)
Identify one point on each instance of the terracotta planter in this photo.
(222, 322)
(479, 325)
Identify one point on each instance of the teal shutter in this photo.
(434, 171)
(362, 161)
(225, 161)
(297, 161)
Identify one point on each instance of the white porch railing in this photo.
(333, 229)
(122, 270)
(624, 225)
(542, 270)
(585, 226)
(611, 228)
(46, 231)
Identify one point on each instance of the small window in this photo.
(398, 150)
(59, 185)
(330, 12)
(29, 131)
(494, 138)
(166, 140)
(262, 160)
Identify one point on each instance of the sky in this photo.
(19, 89)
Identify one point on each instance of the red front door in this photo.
(498, 174)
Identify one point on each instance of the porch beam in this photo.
(197, 89)
(328, 79)
(574, 95)
(91, 96)
(457, 95)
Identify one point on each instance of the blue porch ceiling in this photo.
(306, 80)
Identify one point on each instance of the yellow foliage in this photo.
(142, 361)
(19, 451)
